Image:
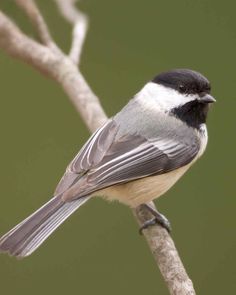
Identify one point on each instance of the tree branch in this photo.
(79, 22)
(55, 65)
(17, 44)
(33, 13)
(166, 256)
(48, 59)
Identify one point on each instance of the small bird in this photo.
(135, 157)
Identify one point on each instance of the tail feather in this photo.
(28, 235)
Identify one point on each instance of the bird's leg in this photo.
(158, 218)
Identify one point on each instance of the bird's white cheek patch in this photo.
(155, 96)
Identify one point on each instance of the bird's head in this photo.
(182, 93)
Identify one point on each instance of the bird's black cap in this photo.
(184, 81)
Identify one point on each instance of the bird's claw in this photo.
(158, 219)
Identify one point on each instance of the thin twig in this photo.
(63, 69)
(18, 45)
(33, 13)
(79, 21)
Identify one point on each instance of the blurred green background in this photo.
(99, 250)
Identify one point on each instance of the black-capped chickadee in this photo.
(134, 158)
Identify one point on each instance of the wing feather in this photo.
(91, 153)
(107, 159)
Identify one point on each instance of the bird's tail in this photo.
(28, 235)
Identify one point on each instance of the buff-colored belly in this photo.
(143, 190)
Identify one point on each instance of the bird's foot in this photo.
(158, 219)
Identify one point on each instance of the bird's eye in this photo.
(182, 88)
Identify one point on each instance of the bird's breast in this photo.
(202, 133)
(143, 190)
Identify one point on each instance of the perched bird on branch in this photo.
(135, 157)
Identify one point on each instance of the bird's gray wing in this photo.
(90, 155)
(108, 159)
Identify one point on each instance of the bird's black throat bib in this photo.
(193, 113)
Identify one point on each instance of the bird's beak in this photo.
(207, 98)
